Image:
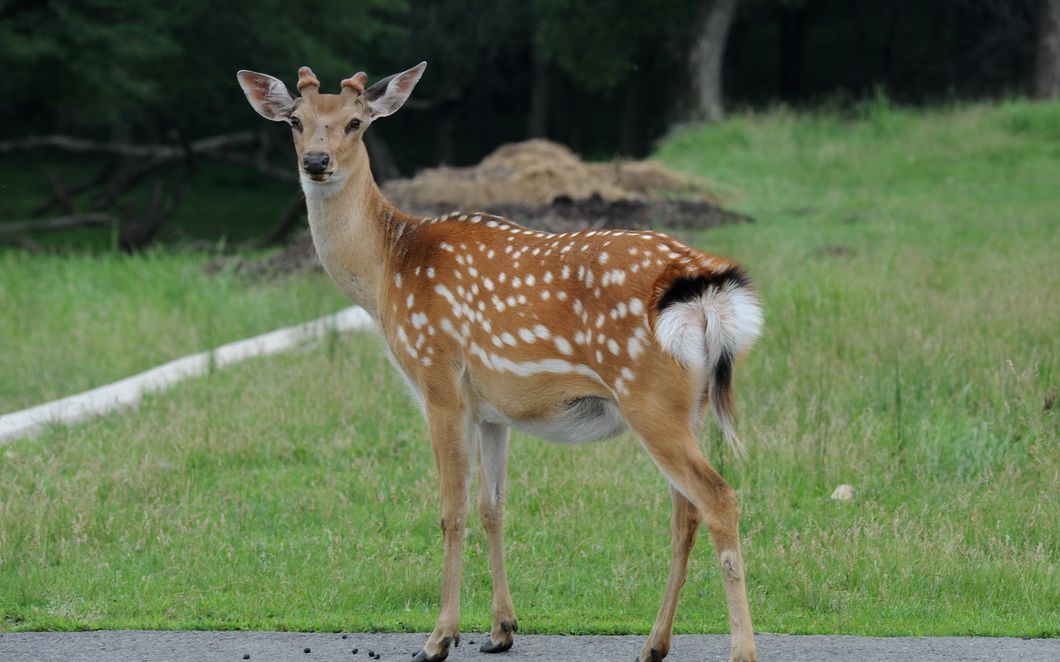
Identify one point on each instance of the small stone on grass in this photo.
(843, 493)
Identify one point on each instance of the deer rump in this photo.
(704, 322)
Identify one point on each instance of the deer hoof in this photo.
(424, 656)
(654, 655)
(490, 647)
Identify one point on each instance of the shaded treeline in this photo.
(603, 76)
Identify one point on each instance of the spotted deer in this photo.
(573, 337)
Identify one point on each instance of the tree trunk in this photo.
(709, 32)
(792, 48)
(632, 140)
(890, 40)
(443, 146)
(537, 122)
(381, 161)
(1046, 84)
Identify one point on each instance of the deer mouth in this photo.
(320, 176)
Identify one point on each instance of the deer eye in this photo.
(353, 125)
(296, 123)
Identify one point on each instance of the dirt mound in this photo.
(537, 172)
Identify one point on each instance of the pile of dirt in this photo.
(544, 186)
(536, 173)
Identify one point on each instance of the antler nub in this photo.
(355, 83)
(307, 81)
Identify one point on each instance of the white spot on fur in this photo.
(563, 345)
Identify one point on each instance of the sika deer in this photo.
(572, 337)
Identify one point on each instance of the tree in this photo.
(619, 54)
(144, 69)
(710, 30)
(1046, 84)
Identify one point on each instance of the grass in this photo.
(907, 266)
(80, 322)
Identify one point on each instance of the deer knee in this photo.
(490, 512)
(454, 520)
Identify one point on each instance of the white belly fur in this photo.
(589, 419)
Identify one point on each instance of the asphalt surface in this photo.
(158, 646)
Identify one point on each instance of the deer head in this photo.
(327, 128)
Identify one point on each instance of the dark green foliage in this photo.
(162, 69)
(602, 44)
(613, 72)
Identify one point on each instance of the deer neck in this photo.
(348, 220)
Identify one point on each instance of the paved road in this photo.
(136, 646)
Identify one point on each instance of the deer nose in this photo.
(315, 163)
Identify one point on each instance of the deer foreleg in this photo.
(449, 434)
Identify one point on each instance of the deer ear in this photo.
(385, 97)
(266, 95)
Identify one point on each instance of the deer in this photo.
(573, 337)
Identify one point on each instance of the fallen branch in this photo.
(72, 191)
(290, 217)
(83, 146)
(58, 223)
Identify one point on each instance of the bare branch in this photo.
(96, 180)
(58, 223)
(259, 164)
(83, 146)
(61, 196)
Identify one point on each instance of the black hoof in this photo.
(422, 656)
(654, 656)
(490, 647)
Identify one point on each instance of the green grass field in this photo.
(907, 262)
(80, 322)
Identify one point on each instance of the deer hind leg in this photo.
(671, 444)
(449, 434)
(684, 522)
(493, 460)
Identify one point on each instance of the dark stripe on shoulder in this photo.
(688, 288)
